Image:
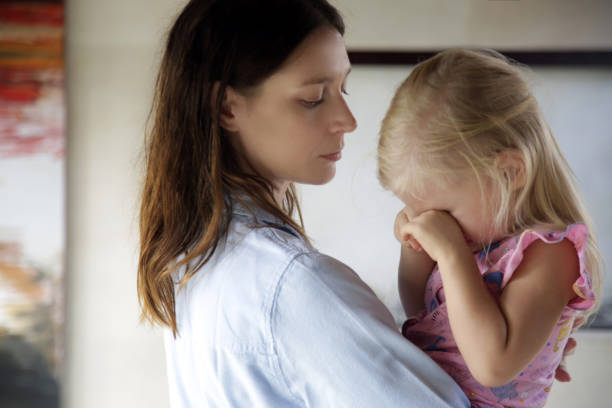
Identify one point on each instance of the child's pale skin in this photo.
(497, 339)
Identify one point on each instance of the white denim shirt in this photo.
(271, 322)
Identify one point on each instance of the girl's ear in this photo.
(511, 166)
(233, 102)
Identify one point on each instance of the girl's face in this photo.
(462, 199)
(291, 129)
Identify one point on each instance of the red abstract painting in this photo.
(32, 196)
(31, 79)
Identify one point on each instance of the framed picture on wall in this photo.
(568, 85)
(32, 242)
(566, 48)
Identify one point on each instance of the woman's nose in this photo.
(344, 121)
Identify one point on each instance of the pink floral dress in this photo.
(430, 330)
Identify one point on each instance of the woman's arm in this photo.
(337, 344)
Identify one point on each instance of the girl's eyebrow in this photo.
(323, 80)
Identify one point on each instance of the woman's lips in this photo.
(333, 156)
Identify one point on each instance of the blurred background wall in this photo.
(113, 47)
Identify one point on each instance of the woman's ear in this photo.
(231, 106)
(511, 166)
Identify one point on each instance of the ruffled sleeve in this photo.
(577, 234)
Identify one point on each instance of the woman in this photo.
(250, 100)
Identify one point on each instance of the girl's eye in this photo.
(344, 91)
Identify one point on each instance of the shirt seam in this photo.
(276, 359)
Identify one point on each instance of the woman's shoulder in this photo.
(261, 259)
(278, 260)
(288, 257)
(259, 272)
(274, 241)
(233, 291)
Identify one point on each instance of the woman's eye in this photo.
(344, 91)
(312, 104)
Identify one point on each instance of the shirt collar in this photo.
(258, 216)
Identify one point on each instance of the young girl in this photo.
(497, 240)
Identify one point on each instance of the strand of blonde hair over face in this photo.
(455, 113)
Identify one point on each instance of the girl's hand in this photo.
(414, 269)
(436, 232)
(561, 373)
(405, 239)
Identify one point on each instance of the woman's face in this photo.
(291, 129)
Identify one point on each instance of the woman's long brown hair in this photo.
(191, 169)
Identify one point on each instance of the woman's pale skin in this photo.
(497, 339)
(291, 127)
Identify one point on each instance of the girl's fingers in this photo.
(404, 229)
(400, 220)
(413, 243)
(570, 347)
(580, 320)
(561, 373)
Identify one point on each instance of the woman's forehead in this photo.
(321, 58)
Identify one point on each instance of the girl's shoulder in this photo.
(504, 257)
(512, 248)
(577, 234)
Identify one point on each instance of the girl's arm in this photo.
(412, 275)
(498, 339)
(414, 269)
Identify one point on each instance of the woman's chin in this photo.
(320, 178)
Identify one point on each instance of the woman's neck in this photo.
(280, 190)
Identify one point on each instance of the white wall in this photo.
(503, 24)
(113, 47)
(112, 361)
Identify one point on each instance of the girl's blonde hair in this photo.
(457, 112)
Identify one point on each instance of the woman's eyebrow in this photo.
(323, 79)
